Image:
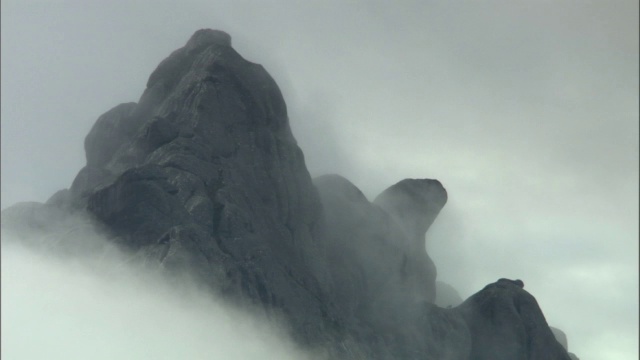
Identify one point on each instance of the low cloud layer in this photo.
(57, 307)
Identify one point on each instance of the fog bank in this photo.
(70, 308)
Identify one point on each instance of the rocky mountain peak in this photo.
(203, 175)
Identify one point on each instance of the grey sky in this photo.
(527, 112)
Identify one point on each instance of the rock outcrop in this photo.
(204, 176)
(414, 204)
(381, 281)
(506, 322)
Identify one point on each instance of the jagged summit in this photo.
(203, 175)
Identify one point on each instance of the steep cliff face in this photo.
(203, 175)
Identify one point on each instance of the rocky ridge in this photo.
(203, 175)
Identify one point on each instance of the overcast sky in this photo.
(526, 111)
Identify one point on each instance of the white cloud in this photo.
(69, 308)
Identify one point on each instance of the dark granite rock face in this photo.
(205, 167)
(203, 175)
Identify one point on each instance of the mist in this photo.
(57, 306)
